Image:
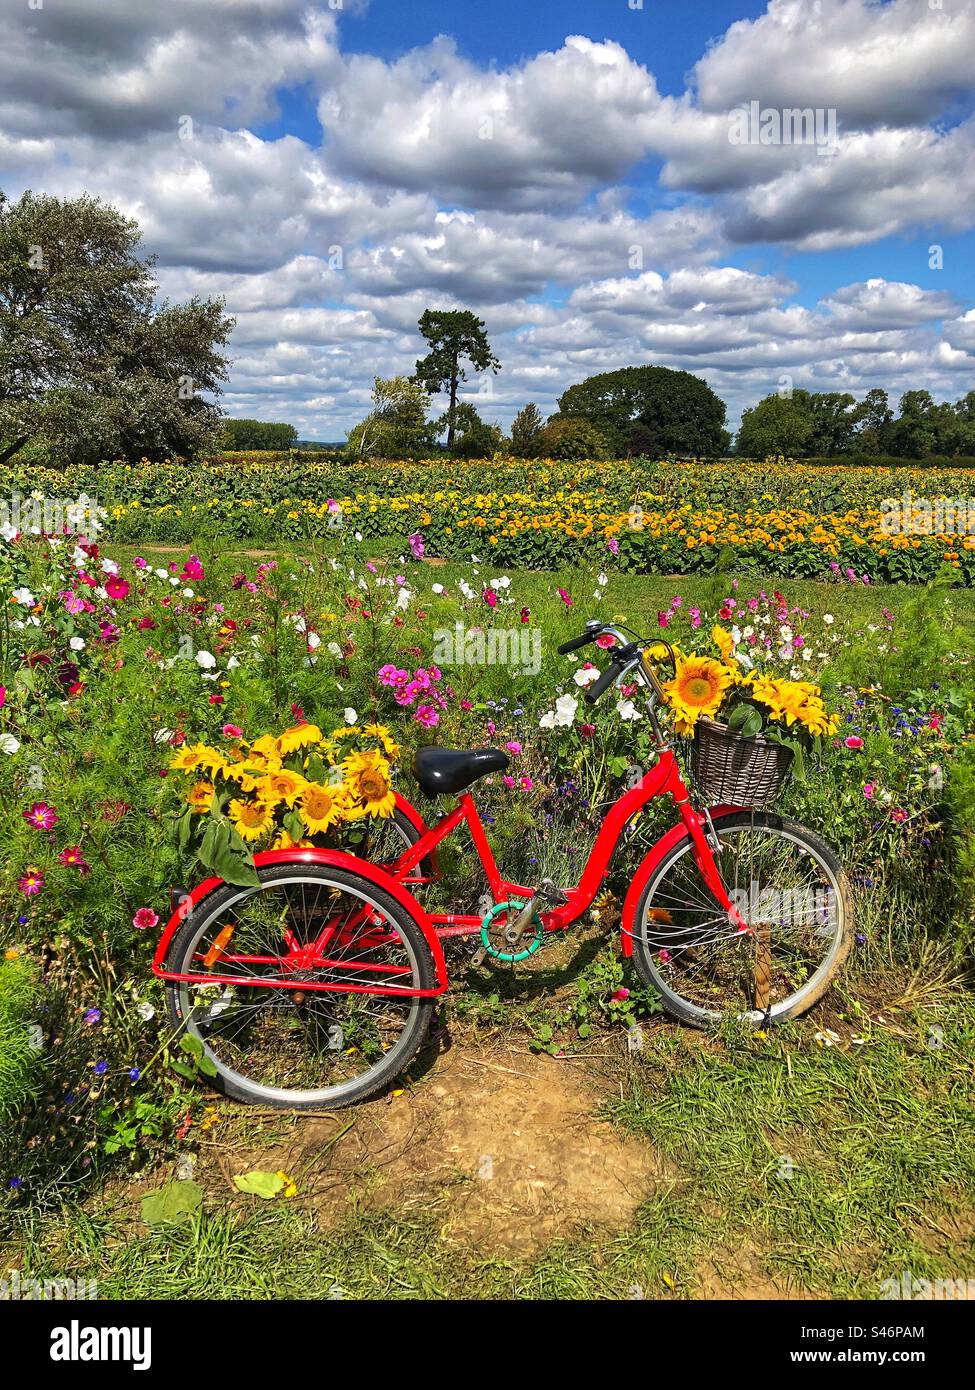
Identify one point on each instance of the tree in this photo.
(89, 367)
(678, 412)
(833, 415)
(396, 427)
(525, 429)
(777, 425)
(571, 437)
(873, 417)
(258, 434)
(453, 335)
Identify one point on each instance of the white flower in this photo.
(602, 580)
(233, 663)
(349, 715)
(828, 619)
(466, 589)
(174, 580)
(109, 566)
(334, 649)
(160, 574)
(403, 598)
(8, 744)
(145, 1011)
(563, 714)
(626, 709)
(314, 641)
(77, 644)
(162, 735)
(24, 596)
(437, 588)
(187, 593)
(206, 660)
(358, 535)
(586, 676)
(8, 532)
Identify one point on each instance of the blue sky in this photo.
(565, 169)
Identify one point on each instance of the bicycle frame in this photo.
(663, 779)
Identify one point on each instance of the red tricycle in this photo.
(317, 988)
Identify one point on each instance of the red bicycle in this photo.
(317, 988)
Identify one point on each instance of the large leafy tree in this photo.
(454, 336)
(397, 426)
(90, 366)
(525, 430)
(257, 434)
(651, 409)
(776, 425)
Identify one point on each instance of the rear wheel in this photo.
(302, 1048)
(791, 890)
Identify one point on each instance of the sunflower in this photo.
(301, 736)
(697, 689)
(248, 776)
(725, 645)
(367, 780)
(282, 785)
(251, 819)
(772, 693)
(200, 796)
(382, 734)
(190, 758)
(321, 807)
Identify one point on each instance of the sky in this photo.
(580, 173)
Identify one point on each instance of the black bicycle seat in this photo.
(440, 771)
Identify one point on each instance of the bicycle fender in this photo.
(330, 858)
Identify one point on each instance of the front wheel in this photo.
(793, 893)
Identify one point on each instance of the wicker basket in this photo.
(734, 771)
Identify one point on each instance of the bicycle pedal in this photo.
(548, 892)
(479, 956)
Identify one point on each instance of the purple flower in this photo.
(16, 1182)
(93, 1016)
(416, 546)
(134, 1073)
(101, 1068)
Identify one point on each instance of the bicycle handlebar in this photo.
(609, 677)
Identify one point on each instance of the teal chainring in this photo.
(510, 957)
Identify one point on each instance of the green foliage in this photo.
(396, 427)
(653, 411)
(257, 434)
(824, 424)
(570, 438)
(525, 431)
(89, 367)
(20, 1050)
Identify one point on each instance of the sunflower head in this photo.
(301, 736)
(282, 785)
(320, 807)
(251, 819)
(697, 688)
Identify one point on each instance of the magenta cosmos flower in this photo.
(116, 587)
(32, 882)
(854, 741)
(144, 919)
(73, 858)
(41, 816)
(427, 716)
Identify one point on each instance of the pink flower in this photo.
(613, 545)
(41, 816)
(3, 696)
(427, 716)
(525, 783)
(72, 857)
(621, 994)
(72, 603)
(868, 790)
(663, 620)
(605, 640)
(491, 727)
(854, 741)
(193, 569)
(587, 730)
(216, 699)
(145, 919)
(525, 614)
(139, 563)
(116, 587)
(513, 747)
(490, 598)
(899, 815)
(416, 546)
(695, 616)
(32, 882)
(663, 956)
(565, 598)
(508, 781)
(232, 731)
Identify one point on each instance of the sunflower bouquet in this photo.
(293, 790)
(789, 712)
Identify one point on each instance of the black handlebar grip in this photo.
(599, 687)
(574, 643)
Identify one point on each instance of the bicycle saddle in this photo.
(440, 771)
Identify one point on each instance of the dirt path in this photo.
(508, 1137)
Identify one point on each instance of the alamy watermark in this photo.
(905, 1285)
(38, 514)
(755, 124)
(802, 907)
(908, 515)
(517, 647)
(18, 1288)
